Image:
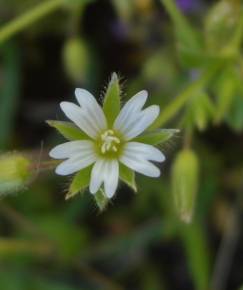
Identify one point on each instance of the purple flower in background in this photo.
(119, 30)
(189, 5)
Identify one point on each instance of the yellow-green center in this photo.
(109, 142)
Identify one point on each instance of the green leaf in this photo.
(191, 58)
(177, 104)
(157, 137)
(128, 176)
(68, 130)
(186, 34)
(112, 100)
(199, 112)
(79, 182)
(101, 199)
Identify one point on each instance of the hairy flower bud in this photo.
(221, 23)
(75, 58)
(14, 172)
(184, 183)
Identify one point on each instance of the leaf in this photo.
(186, 34)
(157, 137)
(128, 176)
(196, 58)
(101, 200)
(79, 182)
(112, 101)
(199, 112)
(68, 130)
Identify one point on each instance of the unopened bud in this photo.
(185, 173)
(221, 23)
(15, 172)
(76, 60)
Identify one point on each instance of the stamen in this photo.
(114, 148)
(110, 142)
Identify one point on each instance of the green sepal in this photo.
(112, 102)
(79, 182)
(68, 130)
(156, 137)
(128, 176)
(101, 199)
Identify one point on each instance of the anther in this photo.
(109, 141)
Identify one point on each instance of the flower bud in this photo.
(221, 23)
(76, 60)
(185, 173)
(14, 172)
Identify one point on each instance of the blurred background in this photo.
(180, 232)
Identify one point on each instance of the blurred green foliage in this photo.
(191, 63)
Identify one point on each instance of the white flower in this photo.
(106, 146)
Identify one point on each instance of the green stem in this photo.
(171, 110)
(28, 18)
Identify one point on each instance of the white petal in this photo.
(106, 171)
(111, 177)
(140, 165)
(88, 101)
(81, 118)
(66, 150)
(76, 163)
(97, 174)
(147, 118)
(133, 106)
(144, 151)
(130, 122)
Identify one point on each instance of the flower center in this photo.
(109, 142)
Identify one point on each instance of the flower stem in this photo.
(170, 111)
(45, 165)
(28, 18)
(227, 248)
